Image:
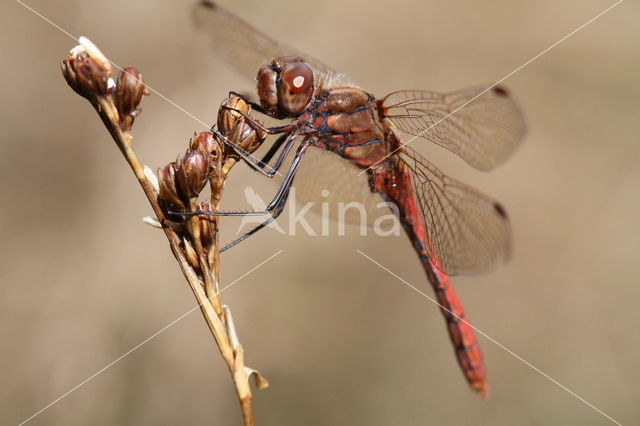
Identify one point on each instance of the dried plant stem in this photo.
(207, 293)
(210, 275)
(88, 73)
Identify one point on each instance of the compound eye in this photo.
(297, 76)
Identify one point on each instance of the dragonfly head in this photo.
(285, 86)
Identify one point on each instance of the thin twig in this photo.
(89, 73)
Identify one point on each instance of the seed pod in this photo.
(227, 118)
(192, 174)
(203, 140)
(168, 186)
(128, 94)
(246, 136)
(87, 70)
(208, 145)
(85, 75)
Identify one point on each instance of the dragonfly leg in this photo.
(286, 128)
(247, 234)
(254, 105)
(260, 166)
(276, 205)
(273, 149)
(274, 216)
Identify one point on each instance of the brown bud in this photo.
(227, 118)
(129, 92)
(168, 187)
(87, 70)
(192, 174)
(205, 141)
(246, 136)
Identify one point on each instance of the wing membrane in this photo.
(333, 184)
(242, 45)
(468, 231)
(482, 126)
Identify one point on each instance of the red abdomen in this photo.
(393, 180)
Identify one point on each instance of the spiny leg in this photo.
(273, 149)
(286, 128)
(255, 106)
(275, 207)
(273, 217)
(259, 165)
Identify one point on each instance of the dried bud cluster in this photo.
(174, 192)
(128, 94)
(88, 72)
(207, 159)
(230, 113)
(192, 174)
(239, 131)
(205, 142)
(199, 234)
(168, 185)
(182, 181)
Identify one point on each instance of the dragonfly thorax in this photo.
(346, 121)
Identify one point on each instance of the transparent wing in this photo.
(468, 231)
(482, 128)
(241, 44)
(338, 189)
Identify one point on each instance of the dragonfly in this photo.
(454, 228)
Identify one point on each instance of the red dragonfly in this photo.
(454, 228)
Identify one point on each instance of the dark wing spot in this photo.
(500, 90)
(500, 210)
(208, 4)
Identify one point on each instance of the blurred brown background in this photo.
(82, 280)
